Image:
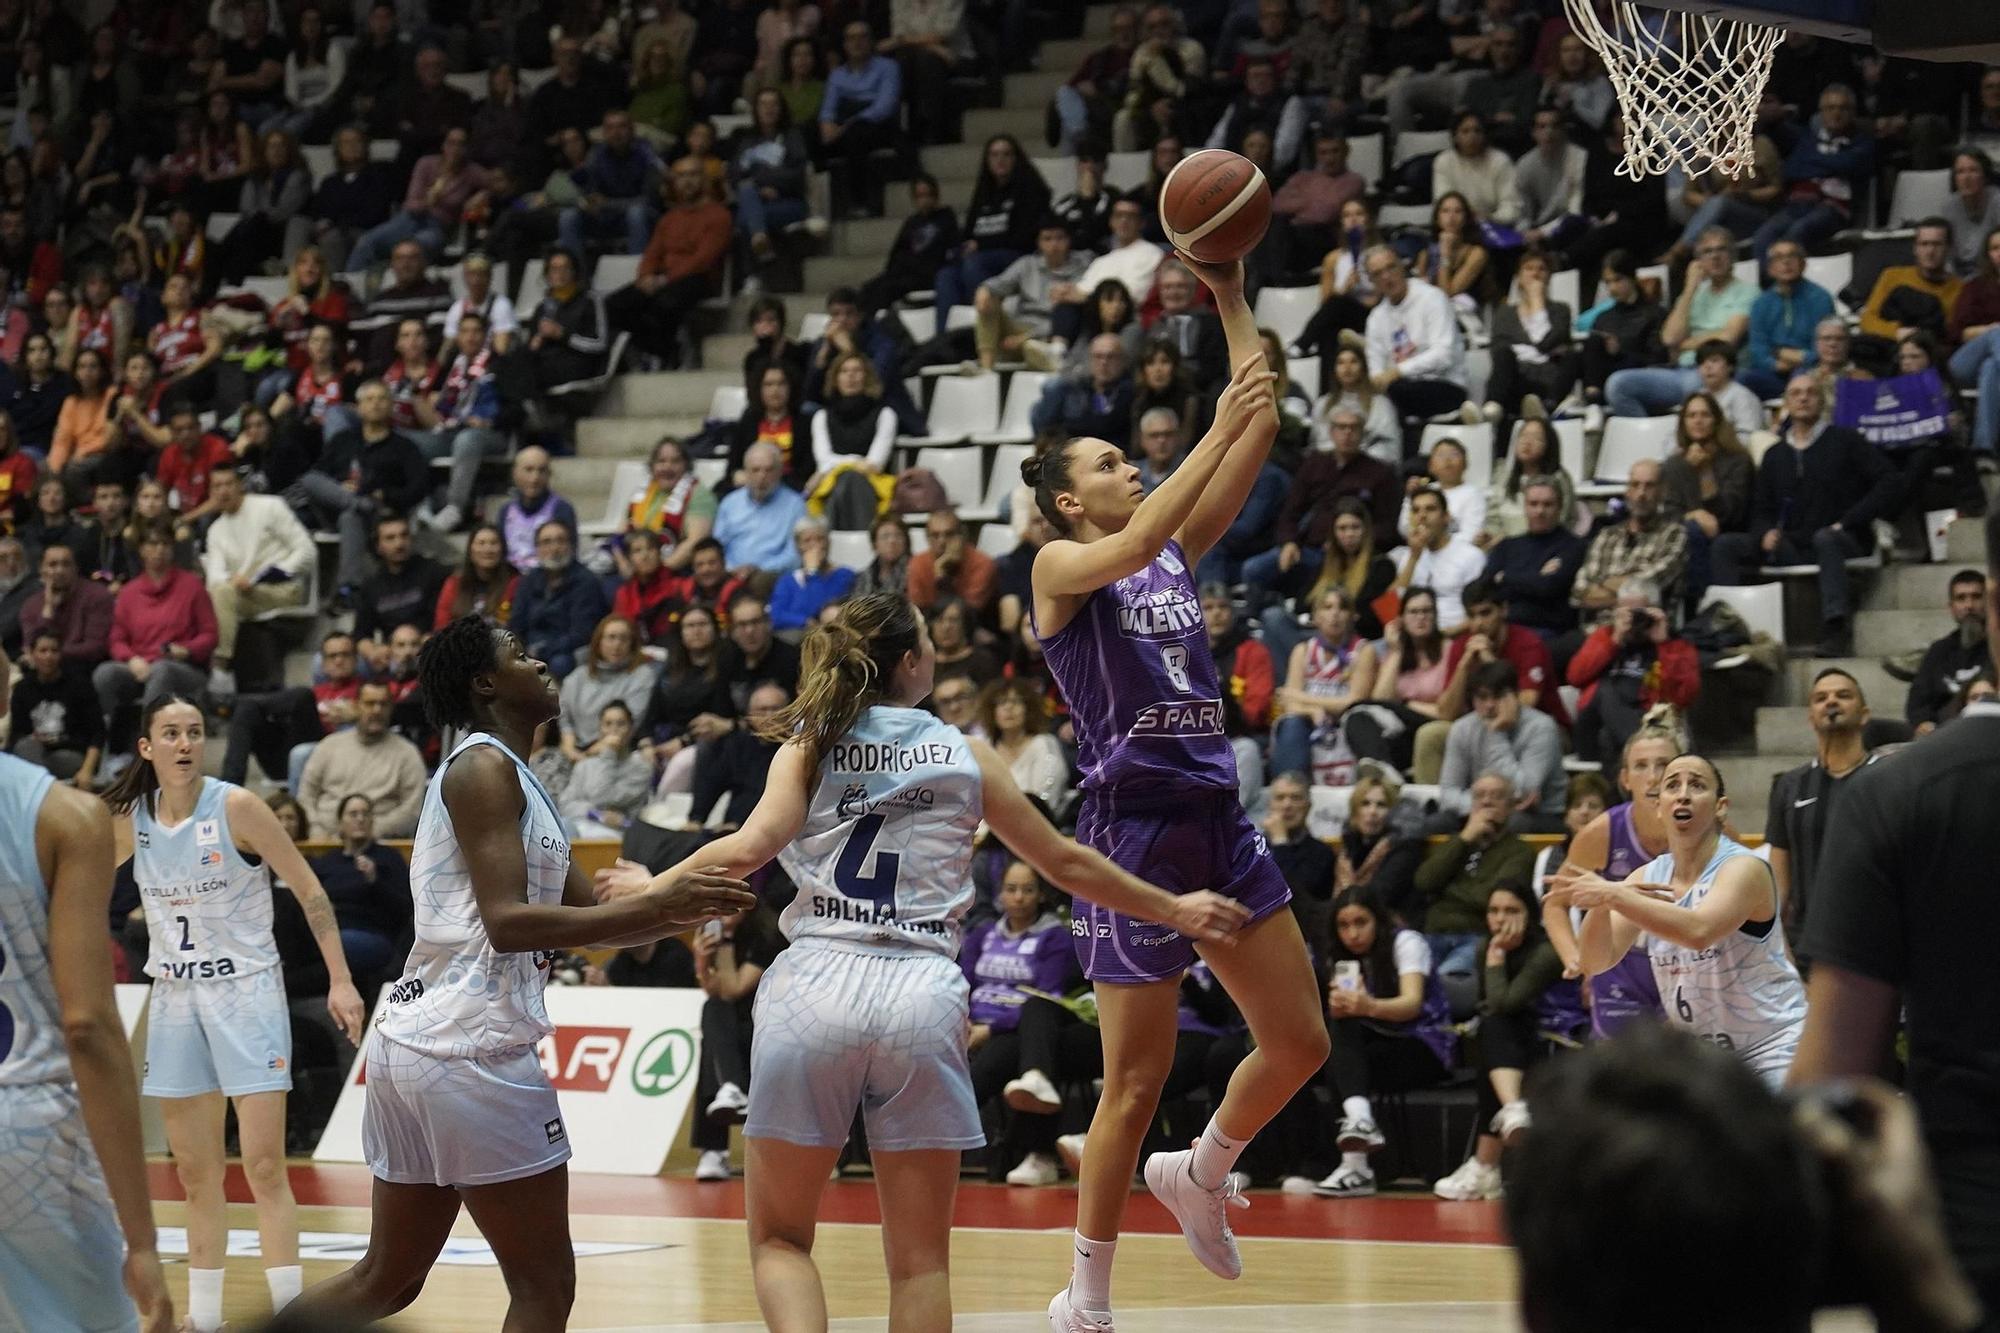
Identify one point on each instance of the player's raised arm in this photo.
(73, 843)
(1087, 873)
(1071, 568)
(1221, 501)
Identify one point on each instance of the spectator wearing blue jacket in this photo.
(1100, 406)
(800, 593)
(1827, 168)
(1251, 533)
(461, 420)
(1784, 323)
(860, 112)
(755, 522)
(621, 186)
(558, 603)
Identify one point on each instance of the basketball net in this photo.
(1688, 85)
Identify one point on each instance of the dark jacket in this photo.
(924, 243)
(1948, 664)
(66, 709)
(1537, 599)
(381, 907)
(735, 765)
(1507, 329)
(1637, 328)
(1006, 217)
(83, 620)
(1071, 408)
(1680, 489)
(1837, 479)
(557, 621)
(1204, 348)
(394, 598)
(1307, 517)
(392, 466)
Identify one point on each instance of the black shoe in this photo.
(1836, 640)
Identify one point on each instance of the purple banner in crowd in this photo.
(1895, 412)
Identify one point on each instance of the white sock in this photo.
(1357, 1108)
(1090, 1277)
(286, 1282)
(1356, 1161)
(205, 1299)
(1215, 1154)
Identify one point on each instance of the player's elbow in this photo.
(93, 1035)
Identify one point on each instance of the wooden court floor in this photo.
(668, 1253)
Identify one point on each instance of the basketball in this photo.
(1215, 205)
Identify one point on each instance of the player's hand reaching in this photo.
(1222, 279)
(1251, 392)
(624, 879)
(147, 1286)
(349, 1013)
(695, 894)
(1209, 917)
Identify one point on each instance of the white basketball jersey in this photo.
(886, 852)
(31, 1043)
(208, 909)
(457, 996)
(1742, 993)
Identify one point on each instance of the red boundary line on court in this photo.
(1405, 1219)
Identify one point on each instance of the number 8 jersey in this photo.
(1136, 670)
(886, 851)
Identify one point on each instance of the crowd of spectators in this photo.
(171, 441)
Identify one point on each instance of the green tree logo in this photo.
(664, 1061)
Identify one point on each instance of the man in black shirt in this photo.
(736, 763)
(57, 721)
(366, 471)
(1904, 922)
(1952, 661)
(1803, 798)
(759, 655)
(1304, 861)
(1537, 569)
(402, 591)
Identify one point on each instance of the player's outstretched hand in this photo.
(1222, 279)
(1209, 916)
(349, 1013)
(1252, 391)
(699, 893)
(147, 1286)
(623, 879)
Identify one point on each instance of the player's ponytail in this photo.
(139, 782)
(844, 667)
(1046, 473)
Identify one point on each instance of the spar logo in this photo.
(580, 1059)
(664, 1062)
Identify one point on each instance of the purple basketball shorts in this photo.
(1194, 840)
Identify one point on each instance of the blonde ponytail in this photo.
(844, 667)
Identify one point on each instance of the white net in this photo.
(1688, 84)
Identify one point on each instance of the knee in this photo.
(265, 1173)
(1301, 1052)
(200, 1179)
(1132, 1093)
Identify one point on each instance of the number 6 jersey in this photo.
(1136, 670)
(886, 851)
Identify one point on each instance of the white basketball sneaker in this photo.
(1035, 1170)
(1472, 1181)
(1066, 1318)
(1032, 1094)
(1202, 1213)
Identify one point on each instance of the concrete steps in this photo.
(1885, 694)
(1024, 123)
(864, 236)
(1783, 729)
(628, 437)
(674, 393)
(825, 272)
(1748, 779)
(1880, 632)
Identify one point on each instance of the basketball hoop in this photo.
(1688, 84)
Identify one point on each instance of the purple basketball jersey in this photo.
(1626, 992)
(1144, 697)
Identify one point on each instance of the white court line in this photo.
(1156, 1318)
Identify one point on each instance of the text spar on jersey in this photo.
(1168, 616)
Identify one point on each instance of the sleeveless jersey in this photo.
(1624, 993)
(31, 1043)
(885, 856)
(458, 997)
(1144, 697)
(208, 908)
(1742, 992)
(1326, 668)
(177, 343)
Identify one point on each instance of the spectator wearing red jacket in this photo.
(681, 268)
(1624, 668)
(1489, 635)
(651, 597)
(1249, 681)
(162, 631)
(75, 608)
(183, 467)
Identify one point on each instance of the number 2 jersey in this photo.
(208, 907)
(458, 997)
(885, 856)
(1143, 693)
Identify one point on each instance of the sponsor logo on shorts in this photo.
(554, 1129)
(663, 1063)
(1079, 927)
(1155, 941)
(274, 1061)
(1104, 930)
(1198, 717)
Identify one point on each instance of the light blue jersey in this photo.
(208, 908)
(886, 852)
(60, 1247)
(1742, 992)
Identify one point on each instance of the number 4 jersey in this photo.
(1135, 668)
(886, 851)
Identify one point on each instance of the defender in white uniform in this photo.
(1717, 947)
(60, 1246)
(459, 1110)
(203, 853)
(870, 807)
